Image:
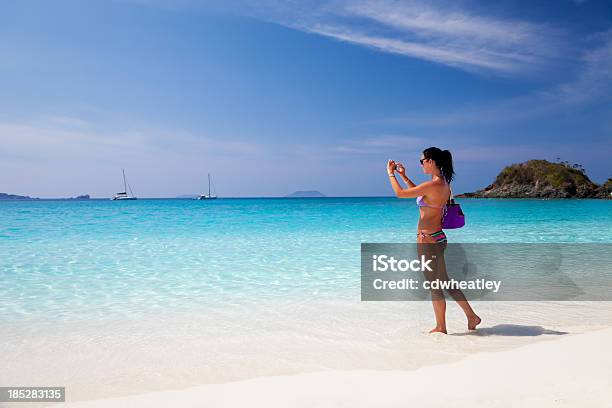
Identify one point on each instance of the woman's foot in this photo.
(473, 321)
(438, 330)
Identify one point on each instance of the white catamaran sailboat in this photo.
(207, 196)
(124, 195)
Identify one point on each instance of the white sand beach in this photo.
(571, 371)
(326, 354)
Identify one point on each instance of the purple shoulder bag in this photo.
(452, 215)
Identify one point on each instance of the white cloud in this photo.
(591, 85)
(595, 79)
(433, 31)
(377, 145)
(435, 53)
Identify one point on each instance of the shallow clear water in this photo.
(75, 260)
(117, 298)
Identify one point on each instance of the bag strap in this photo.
(445, 206)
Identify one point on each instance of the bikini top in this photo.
(421, 203)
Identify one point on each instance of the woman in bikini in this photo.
(431, 197)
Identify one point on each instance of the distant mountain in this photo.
(5, 196)
(543, 179)
(305, 194)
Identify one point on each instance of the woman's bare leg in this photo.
(437, 296)
(472, 318)
(439, 307)
(439, 303)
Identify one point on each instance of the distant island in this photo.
(5, 196)
(543, 179)
(305, 194)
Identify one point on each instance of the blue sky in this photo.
(273, 97)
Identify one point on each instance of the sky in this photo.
(277, 96)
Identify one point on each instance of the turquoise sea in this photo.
(119, 298)
(76, 260)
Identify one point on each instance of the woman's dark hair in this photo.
(444, 161)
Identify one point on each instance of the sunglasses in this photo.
(422, 160)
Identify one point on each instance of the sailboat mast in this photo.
(124, 183)
(209, 184)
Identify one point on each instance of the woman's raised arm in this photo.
(410, 192)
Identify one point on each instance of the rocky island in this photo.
(5, 196)
(543, 179)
